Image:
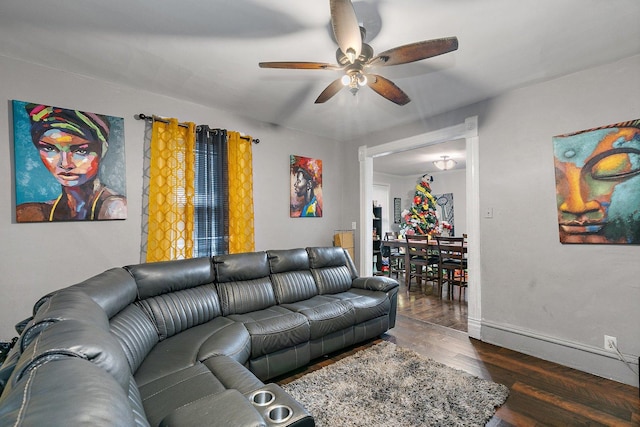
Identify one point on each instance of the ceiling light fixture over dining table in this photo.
(445, 163)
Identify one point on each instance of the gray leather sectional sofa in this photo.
(189, 342)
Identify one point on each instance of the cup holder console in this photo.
(262, 398)
(280, 414)
(278, 408)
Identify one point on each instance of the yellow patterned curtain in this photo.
(171, 191)
(241, 228)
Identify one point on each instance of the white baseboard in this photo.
(590, 359)
(474, 328)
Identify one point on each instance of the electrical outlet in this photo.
(610, 343)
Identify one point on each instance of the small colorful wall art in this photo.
(447, 219)
(598, 184)
(306, 187)
(69, 164)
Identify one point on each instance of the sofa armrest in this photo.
(228, 408)
(68, 391)
(375, 283)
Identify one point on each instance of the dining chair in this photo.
(423, 262)
(452, 264)
(396, 259)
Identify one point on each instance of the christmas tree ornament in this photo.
(421, 217)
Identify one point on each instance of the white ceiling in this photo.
(208, 51)
(420, 161)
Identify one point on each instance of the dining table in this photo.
(402, 243)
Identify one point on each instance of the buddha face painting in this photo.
(598, 184)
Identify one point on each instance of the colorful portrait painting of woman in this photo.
(598, 184)
(69, 164)
(306, 187)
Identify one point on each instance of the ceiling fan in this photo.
(355, 57)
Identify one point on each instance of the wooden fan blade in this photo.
(415, 51)
(329, 91)
(301, 65)
(387, 89)
(345, 27)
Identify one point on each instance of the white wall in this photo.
(381, 198)
(556, 301)
(40, 257)
(394, 185)
(538, 296)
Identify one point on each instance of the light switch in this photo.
(488, 213)
(353, 225)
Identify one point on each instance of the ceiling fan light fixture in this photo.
(356, 58)
(351, 55)
(445, 163)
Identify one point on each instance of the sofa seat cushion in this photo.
(164, 395)
(368, 304)
(273, 329)
(219, 336)
(230, 339)
(325, 314)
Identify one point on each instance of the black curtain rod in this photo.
(142, 116)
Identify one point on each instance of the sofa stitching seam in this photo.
(174, 384)
(27, 389)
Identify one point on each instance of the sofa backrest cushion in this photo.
(291, 276)
(67, 304)
(240, 267)
(112, 290)
(176, 311)
(157, 278)
(246, 296)
(330, 269)
(243, 282)
(281, 261)
(136, 333)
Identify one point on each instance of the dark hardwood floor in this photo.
(423, 303)
(541, 393)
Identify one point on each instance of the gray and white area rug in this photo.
(387, 385)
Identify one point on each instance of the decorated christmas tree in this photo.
(421, 218)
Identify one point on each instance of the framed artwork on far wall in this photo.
(305, 190)
(445, 205)
(597, 175)
(397, 210)
(69, 164)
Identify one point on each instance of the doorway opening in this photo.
(468, 131)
